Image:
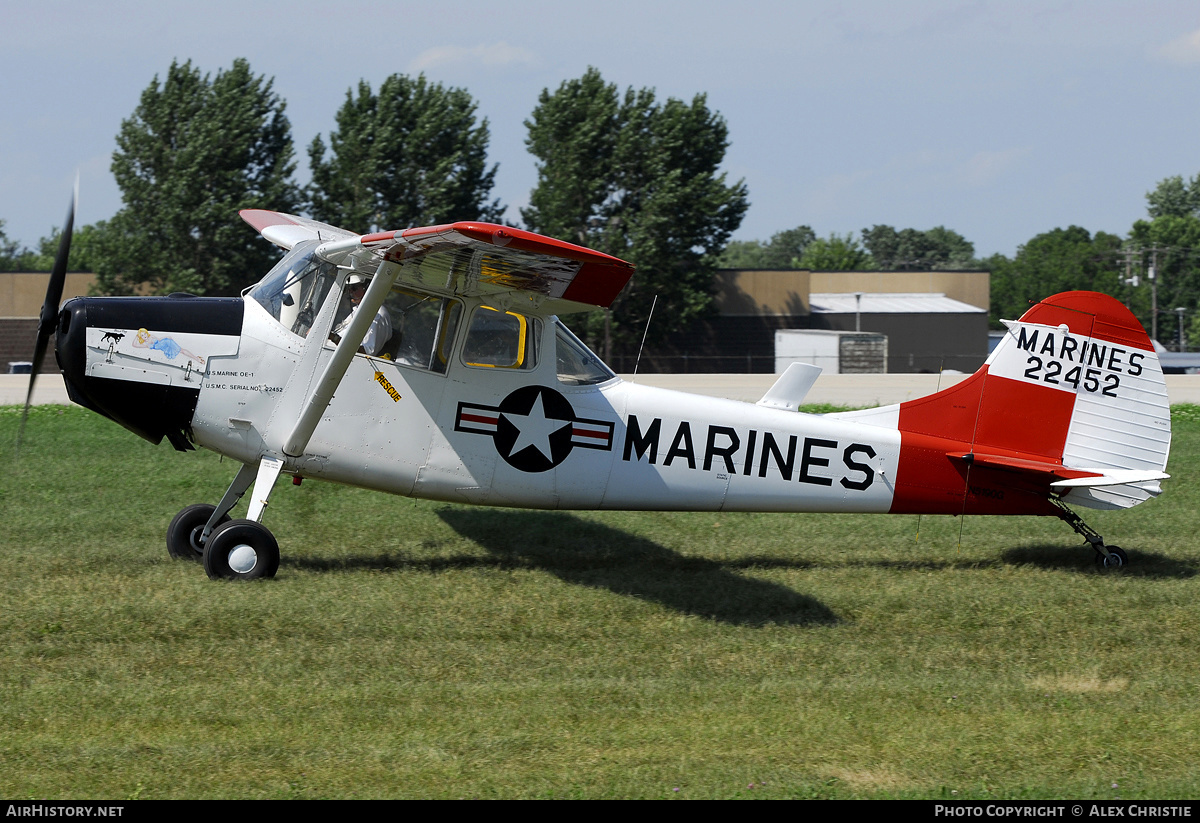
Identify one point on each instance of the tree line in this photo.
(620, 171)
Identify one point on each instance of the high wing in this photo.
(508, 266)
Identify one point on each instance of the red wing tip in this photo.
(505, 236)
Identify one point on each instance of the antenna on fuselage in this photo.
(637, 362)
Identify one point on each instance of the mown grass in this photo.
(412, 649)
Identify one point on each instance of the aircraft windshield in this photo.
(294, 290)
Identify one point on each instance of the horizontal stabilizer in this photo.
(1045, 468)
(1062, 477)
(791, 388)
(1112, 477)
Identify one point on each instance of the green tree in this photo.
(15, 258)
(83, 244)
(1051, 262)
(787, 247)
(915, 250)
(196, 150)
(639, 179)
(782, 251)
(1174, 197)
(1175, 241)
(412, 155)
(835, 253)
(10, 252)
(742, 254)
(573, 133)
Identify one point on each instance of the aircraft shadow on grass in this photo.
(591, 554)
(1052, 556)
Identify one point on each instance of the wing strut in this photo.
(335, 369)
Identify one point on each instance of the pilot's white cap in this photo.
(355, 279)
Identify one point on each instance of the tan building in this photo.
(21, 296)
(784, 293)
(933, 319)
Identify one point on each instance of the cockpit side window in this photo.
(576, 364)
(423, 329)
(502, 340)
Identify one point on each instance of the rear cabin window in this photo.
(576, 364)
(502, 340)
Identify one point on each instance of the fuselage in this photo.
(429, 363)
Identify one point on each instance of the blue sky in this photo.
(997, 119)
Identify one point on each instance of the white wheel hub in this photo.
(243, 558)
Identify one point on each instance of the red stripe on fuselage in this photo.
(992, 414)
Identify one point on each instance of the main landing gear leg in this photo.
(231, 549)
(246, 549)
(191, 528)
(1108, 557)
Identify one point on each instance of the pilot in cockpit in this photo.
(380, 331)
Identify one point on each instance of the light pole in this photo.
(1152, 274)
(1179, 310)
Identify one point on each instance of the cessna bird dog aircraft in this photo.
(430, 362)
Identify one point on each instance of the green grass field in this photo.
(411, 649)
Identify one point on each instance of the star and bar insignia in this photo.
(534, 428)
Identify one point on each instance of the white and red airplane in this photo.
(451, 378)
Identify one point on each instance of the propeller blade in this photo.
(49, 316)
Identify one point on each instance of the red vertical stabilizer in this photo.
(1034, 413)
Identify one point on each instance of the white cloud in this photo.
(1182, 50)
(497, 54)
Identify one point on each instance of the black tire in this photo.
(183, 535)
(1116, 559)
(241, 550)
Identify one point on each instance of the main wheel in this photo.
(241, 550)
(183, 535)
(1116, 559)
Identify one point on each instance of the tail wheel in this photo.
(241, 550)
(1116, 559)
(183, 535)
